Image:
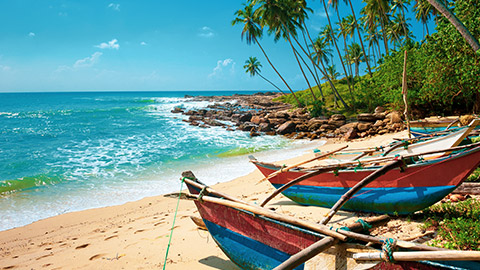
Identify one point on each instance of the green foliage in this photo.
(317, 109)
(456, 224)
(443, 73)
(474, 177)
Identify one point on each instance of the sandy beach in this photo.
(135, 235)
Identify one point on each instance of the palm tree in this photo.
(252, 31)
(283, 18)
(356, 56)
(332, 73)
(423, 11)
(456, 23)
(376, 12)
(252, 66)
(402, 5)
(358, 32)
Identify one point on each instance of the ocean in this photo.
(64, 152)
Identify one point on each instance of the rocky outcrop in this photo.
(259, 115)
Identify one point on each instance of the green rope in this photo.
(173, 224)
(406, 145)
(365, 225)
(335, 172)
(387, 249)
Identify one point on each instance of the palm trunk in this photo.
(278, 73)
(325, 75)
(339, 54)
(271, 83)
(317, 78)
(359, 36)
(334, 89)
(301, 69)
(456, 23)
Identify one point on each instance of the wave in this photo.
(29, 182)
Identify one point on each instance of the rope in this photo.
(365, 225)
(173, 224)
(202, 192)
(388, 247)
(359, 166)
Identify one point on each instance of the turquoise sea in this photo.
(63, 152)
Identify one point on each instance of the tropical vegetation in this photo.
(443, 70)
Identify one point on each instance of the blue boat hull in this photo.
(377, 200)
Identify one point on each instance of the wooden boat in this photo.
(255, 240)
(404, 147)
(433, 124)
(399, 191)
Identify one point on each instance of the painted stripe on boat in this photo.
(244, 251)
(378, 200)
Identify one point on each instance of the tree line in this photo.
(380, 29)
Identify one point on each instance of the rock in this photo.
(382, 131)
(245, 118)
(337, 123)
(379, 109)
(327, 127)
(364, 126)
(351, 134)
(277, 121)
(177, 110)
(282, 115)
(254, 134)
(247, 126)
(301, 127)
(286, 127)
(257, 119)
(366, 117)
(397, 126)
(337, 117)
(378, 123)
(466, 119)
(379, 116)
(394, 117)
(345, 128)
(265, 127)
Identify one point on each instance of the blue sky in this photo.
(95, 45)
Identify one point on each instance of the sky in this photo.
(143, 45)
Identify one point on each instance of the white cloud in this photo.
(221, 66)
(114, 6)
(87, 61)
(5, 68)
(31, 34)
(206, 32)
(143, 43)
(112, 44)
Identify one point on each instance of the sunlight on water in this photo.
(64, 152)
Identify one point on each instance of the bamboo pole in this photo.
(322, 245)
(385, 159)
(367, 180)
(451, 255)
(270, 214)
(295, 181)
(302, 163)
(338, 234)
(404, 93)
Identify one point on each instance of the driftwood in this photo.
(468, 188)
